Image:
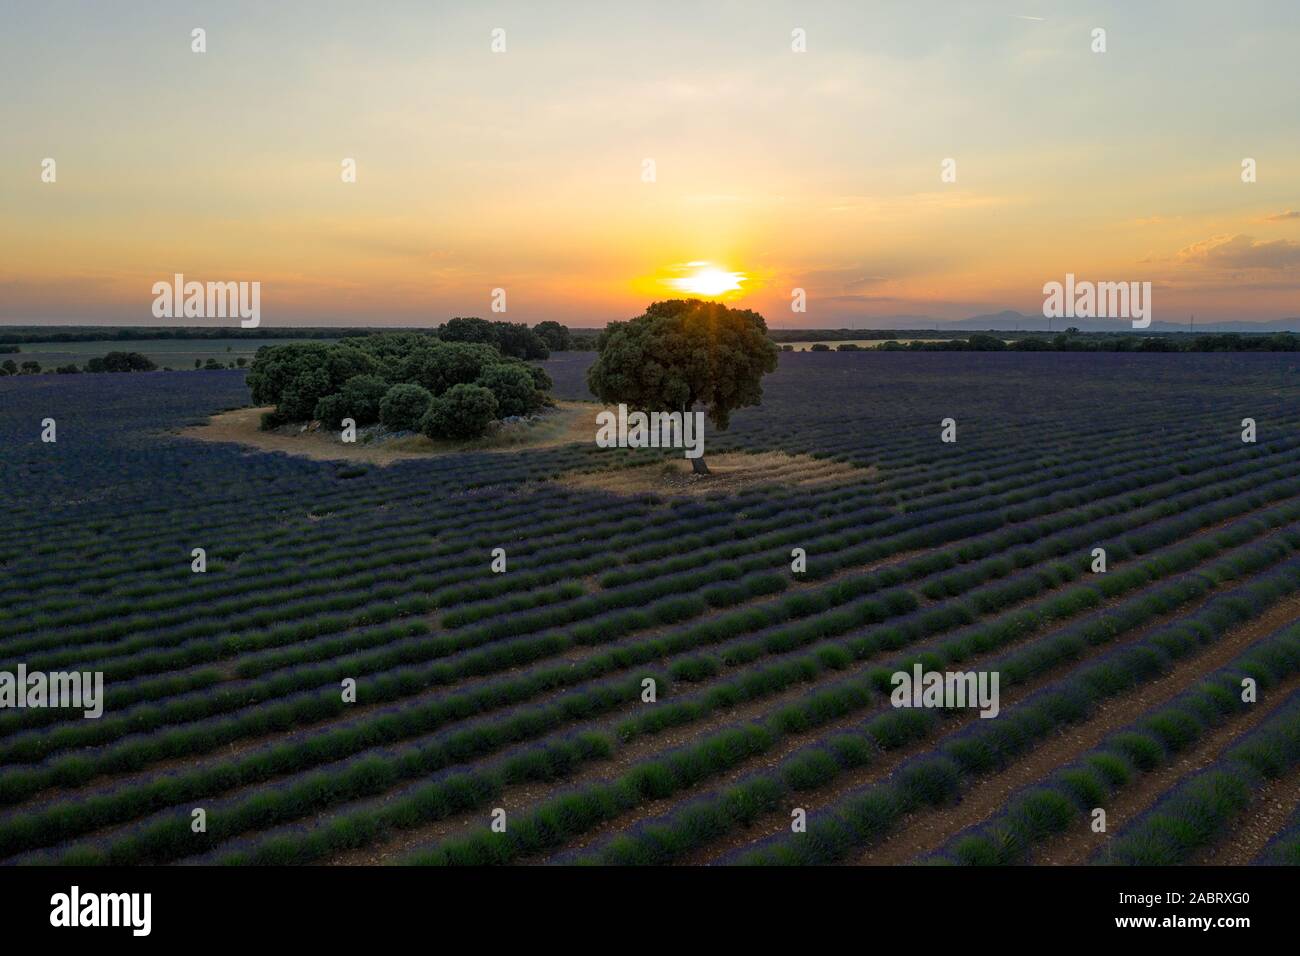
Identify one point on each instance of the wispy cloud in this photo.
(1242, 252)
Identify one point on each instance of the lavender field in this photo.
(505, 717)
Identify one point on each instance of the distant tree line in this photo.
(112, 362)
(782, 336)
(1072, 341)
(512, 337)
(515, 338)
(24, 335)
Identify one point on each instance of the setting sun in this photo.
(707, 279)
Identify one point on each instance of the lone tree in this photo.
(681, 352)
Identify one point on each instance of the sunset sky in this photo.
(523, 170)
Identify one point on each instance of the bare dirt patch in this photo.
(729, 473)
(568, 422)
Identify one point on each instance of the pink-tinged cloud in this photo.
(1280, 216)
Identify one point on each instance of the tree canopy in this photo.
(556, 336)
(684, 352)
(510, 338)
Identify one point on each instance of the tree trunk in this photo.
(698, 466)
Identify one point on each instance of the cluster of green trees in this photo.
(121, 362)
(409, 381)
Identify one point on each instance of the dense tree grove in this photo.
(121, 362)
(399, 378)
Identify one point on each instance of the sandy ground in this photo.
(572, 422)
(732, 471)
(729, 472)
